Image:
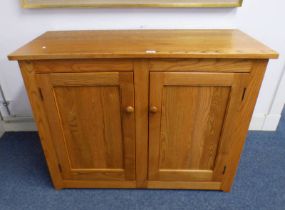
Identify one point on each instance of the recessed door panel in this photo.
(191, 123)
(92, 115)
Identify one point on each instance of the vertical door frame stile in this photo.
(54, 119)
(156, 86)
(141, 83)
(29, 77)
(126, 84)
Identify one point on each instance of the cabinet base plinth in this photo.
(150, 185)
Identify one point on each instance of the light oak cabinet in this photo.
(170, 110)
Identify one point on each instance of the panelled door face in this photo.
(189, 112)
(91, 119)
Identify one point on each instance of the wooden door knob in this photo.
(153, 109)
(130, 109)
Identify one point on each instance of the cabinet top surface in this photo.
(143, 44)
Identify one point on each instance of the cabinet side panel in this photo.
(243, 120)
(42, 124)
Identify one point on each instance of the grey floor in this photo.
(25, 182)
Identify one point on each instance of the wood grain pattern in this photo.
(94, 140)
(212, 79)
(143, 44)
(86, 79)
(100, 149)
(174, 116)
(238, 92)
(82, 65)
(150, 185)
(185, 132)
(184, 185)
(128, 3)
(240, 123)
(185, 175)
(101, 65)
(191, 122)
(43, 126)
(141, 101)
(201, 65)
(126, 81)
(98, 184)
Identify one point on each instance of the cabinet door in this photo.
(189, 114)
(92, 123)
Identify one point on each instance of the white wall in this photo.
(1, 129)
(262, 19)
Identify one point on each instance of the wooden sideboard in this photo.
(143, 108)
